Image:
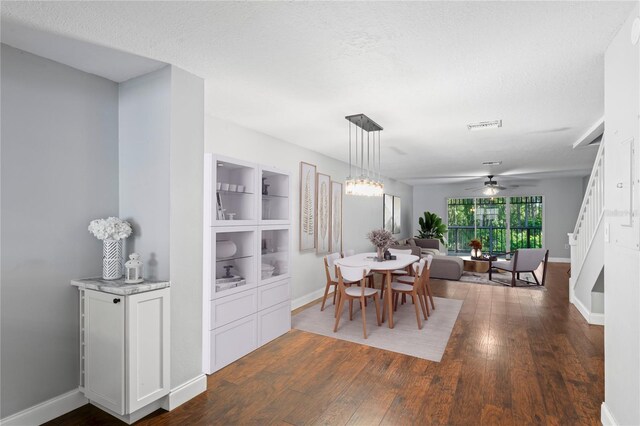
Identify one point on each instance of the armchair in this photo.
(523, 260)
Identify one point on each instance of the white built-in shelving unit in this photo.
(247, 258)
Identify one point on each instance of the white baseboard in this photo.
(308, 298)
(606, 417)
(185, 392)
(596, 319)
(592, 318)
(48, 410)
(135, 416)
(560, 259)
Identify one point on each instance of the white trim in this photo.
(48, 410)
(185, 392)
(590, 135)
(308, 298)
(560, 259)
(594, 319)
(606, 417)
(136, 415)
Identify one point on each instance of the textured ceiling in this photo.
(423, 70)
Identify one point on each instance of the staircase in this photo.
(586, 285)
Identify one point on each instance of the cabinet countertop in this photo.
(119, 286)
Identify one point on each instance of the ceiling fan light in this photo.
(490, 190)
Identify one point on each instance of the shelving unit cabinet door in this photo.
(230, 191)
(274, 322)
(232, 342)
(275, 254)
(274, 197)
(105, 350)
(149, 350)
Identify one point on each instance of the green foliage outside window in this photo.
(486, 220)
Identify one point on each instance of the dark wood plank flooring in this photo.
(516, 356)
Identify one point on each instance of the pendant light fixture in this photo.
(364, 175)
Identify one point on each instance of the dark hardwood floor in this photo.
(516, 356)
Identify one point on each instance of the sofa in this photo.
(443, 266)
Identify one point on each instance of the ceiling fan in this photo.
(490, 187)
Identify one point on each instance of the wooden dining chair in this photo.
(399, 272)
(370, 275)
(415, 290)
(332, 279)
(425, 281)
(353, 274)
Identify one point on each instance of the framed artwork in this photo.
(392, 214)
(387, 212)
(397, 215)
(336, 217)
(307, 206)
(323, 216)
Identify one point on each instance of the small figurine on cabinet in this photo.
(133, 269)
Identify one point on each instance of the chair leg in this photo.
(350, 309)
(395, 302)
(376, 300)
(338, 314)
(423, 301)
(428, 286)
(415, 304)
(513, 279)
(324, 298)
(337, 301)
(382, 289)
(364, 317)
(334, 295)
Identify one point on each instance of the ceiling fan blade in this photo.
(475, 189)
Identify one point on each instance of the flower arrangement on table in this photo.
(111, 231)
(476, 246)
(382, 240)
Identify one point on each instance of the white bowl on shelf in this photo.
(224, 186)
(240, 188)
(233, 187)
(218, 186)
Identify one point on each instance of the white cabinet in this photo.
(247, 251)
(124, 348)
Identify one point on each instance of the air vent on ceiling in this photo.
(483, 125)
(491, 163)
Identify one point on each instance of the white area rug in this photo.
(405, 338)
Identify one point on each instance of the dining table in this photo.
(386, 267)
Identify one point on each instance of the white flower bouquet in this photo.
(111, 228)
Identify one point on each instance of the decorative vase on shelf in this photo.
(476, 253)
(225, 249)
(111, 259)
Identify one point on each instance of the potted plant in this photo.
(476, 246)
(382, 240)
(432, 227)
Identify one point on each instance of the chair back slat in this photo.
(351, 273)
(349, 252)
(330, 266)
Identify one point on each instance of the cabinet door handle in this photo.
(116, 300)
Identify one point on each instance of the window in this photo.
(501, 223)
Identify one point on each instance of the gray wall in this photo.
(161, 171)
(562, 200)
(145, 138)
(186, 189)
(59, 171)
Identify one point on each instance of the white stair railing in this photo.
(589, 216)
